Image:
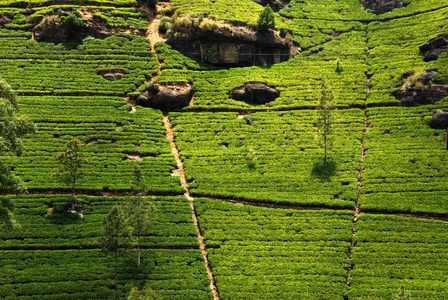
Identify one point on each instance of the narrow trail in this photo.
(183, 180)
(153, 26)
(357, 212)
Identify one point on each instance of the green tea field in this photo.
(246, 205)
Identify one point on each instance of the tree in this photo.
(12, 128)
(70, 165)
(403, 294)
(324, 118)
(266, 20)
(116, 237)
(147, 294)
(140, 212)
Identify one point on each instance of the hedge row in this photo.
(275, 160)
(391, 250)
(405, 165)
(278, 253)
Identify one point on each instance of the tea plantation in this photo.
(246, 206)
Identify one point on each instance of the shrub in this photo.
(163, 25)
(266, 20)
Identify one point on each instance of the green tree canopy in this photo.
(12, 127)
(140, 212)
(70, 165)
(266, 19)
(324, 118)
(116, 237)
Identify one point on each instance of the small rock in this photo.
(144, 99)
(439, 121)
(425, 79)
(5, 20)
(254, 92)
(260, 93)
(109, 76)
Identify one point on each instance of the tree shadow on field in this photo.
(322, 172)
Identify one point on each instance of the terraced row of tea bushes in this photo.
(276, 160)
(38, 3)
(297, 80)
(394, 53)
(259, 253)
(391, 250)
(63, 230)
(239, 11)
(114, 138)
(123, 17)
(311, 32)
(405, 163)
(88, 274)
(351, 10)
(40, 68)
(172, 59)
(57, 256)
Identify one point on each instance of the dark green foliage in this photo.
(266, 20)
(403, 294)
(74, 25)
(257, 252)
(150, 3)
(392, 250)
(12, 128)
(325, 119)
(215, 149)
(139, 212)
(146, 294)
(116, 237)
(71, 164)
(58, 257)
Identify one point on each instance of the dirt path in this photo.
(357, 212)
(183, 180)
(153, 26)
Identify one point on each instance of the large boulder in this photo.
(51, 34)
(254, 92)
(274, 4)
(439, 121)
(237, 48)
(437, 42)
(433, 48)
(171, 96)
(418, 96)
(425, 79)
(382, 6)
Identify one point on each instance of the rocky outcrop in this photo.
(168, 96)
(233, 49)
(439, 121)
(422, 91)
(112, 75)
(254, 92)
(382, 6)
(421, 96)
(57, 34)
(274, 4)
(434, 48)
(5, 20)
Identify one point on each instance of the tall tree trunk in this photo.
(325, 149)
(116, 277)
(73, 193)
(446, 139)
(138, 247)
